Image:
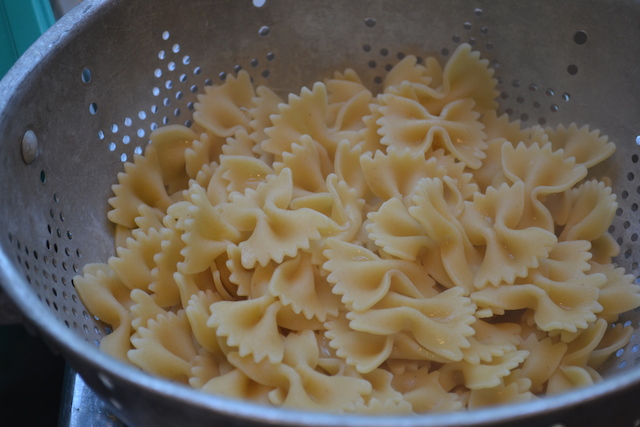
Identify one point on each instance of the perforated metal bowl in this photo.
(86, 96)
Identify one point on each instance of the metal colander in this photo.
(86, 96)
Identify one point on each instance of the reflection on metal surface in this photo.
(81, 407)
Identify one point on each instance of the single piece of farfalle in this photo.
(264, 104)
(274, 230)
(251, 326)
(198, 312)
(298, 284)
(395, 174)
(614, 339)
(593, 206)
(491, 340)
(567, 378)
(134, 262)
(396, 232)
(348, 102)
(582, 346)
(368, 137)
(341, 204)
(424, 391)
(297, 382)
(544, 172)
(545, 356)
(346, 165)
(223, 109)
(405, 348)
(190, 285)
(458, 171)
(619, 294)
(384, 398)
(310, 165)
(346, 208)
(210, 178)
(205, 232)
(486, 375)
(405, 123)
(108, 299)
(203, 150)
(557, 306)
(451, 258)
(362, 278)
(242, 172)
(171, 143)
(163, 286)
(141, 183)
(500, 130)
(147, 218)
(204, 368)
(144, 309)
(410, 71)
(440, 323)
(251, 283)
(302, 115)
(235, 384)
(363, 350)
(512, 389)
(492, 221)
(240, 144)
(588, 147)
(565, 260)
(465, 75)
(164, 347)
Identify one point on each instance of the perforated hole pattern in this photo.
(174, 82)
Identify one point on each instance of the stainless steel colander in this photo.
(86, 96)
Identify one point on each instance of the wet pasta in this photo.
(402, 252)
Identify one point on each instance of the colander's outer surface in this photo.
(90, 91)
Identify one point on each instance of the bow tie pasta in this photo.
(401, 252)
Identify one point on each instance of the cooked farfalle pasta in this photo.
(401, 252)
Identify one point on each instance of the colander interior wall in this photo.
(89, 93)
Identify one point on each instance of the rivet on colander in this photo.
(29, 147)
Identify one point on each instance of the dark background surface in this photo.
(30, 374)
(30, 379)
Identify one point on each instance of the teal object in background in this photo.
(21, 23)
(31, 376)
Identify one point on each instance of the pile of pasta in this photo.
(401, 252)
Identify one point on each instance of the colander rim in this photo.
(56, 333)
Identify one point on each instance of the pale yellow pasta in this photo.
(492, 220)
(512, 389)
(592, 209)
(109, 300)
(405, 123)
(401, 252)
(500, 129)
(588, 147)
(423, 390)
(491, 340)
(223, 110)
(140, 184)
(543, 172)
